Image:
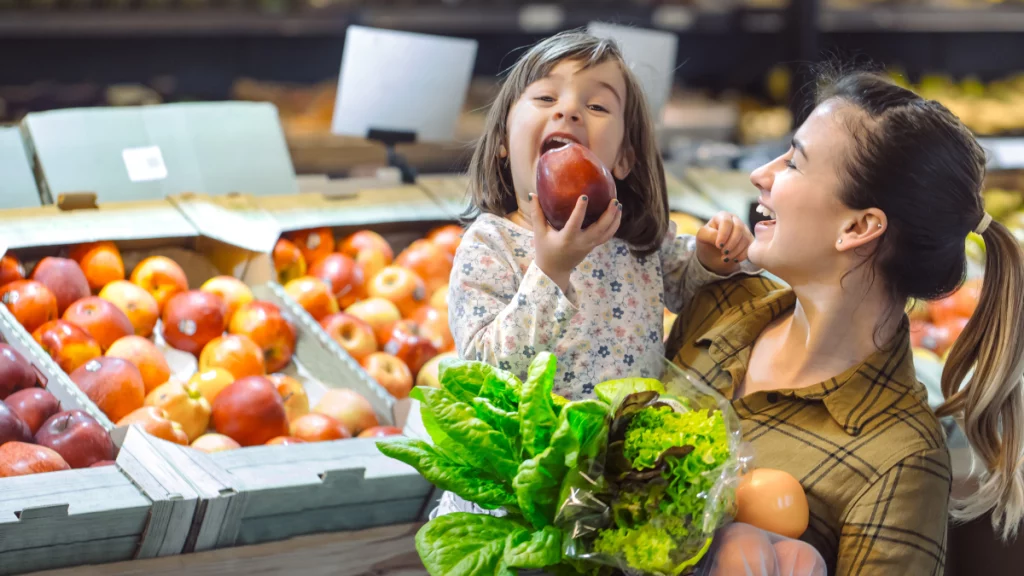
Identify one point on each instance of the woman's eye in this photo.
(791, 164)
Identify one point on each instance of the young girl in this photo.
(594, 297)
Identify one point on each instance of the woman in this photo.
(870, 207)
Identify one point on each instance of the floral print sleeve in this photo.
(500, 313)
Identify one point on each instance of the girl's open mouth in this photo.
(556, 142)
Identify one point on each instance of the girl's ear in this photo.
(624, 165)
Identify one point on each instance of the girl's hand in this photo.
(558, 252)
(722, 243)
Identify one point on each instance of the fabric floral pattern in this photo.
(504, 310)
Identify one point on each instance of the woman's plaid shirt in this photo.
(867, 449)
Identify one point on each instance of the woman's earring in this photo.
(840, 241)
(879, 224)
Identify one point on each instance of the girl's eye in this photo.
(545, 99)
(598, 108)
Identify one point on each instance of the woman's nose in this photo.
(763, 177)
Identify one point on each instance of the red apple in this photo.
(401, 286)
(349, 408)
(380, 431)
(314, 295)
(411, 346)
(288, 261)
(565, 173)
(64, 277)
(433, 323)
(250, 411)
(314, 244)
(34, 406)
(103, 463)
(390, 372)
(11, 269)
(943, 310)
(161, 277)
(114, 384)
(267, 327)
(22, 459)
(100, 319)
(77, 437)
(31, 303)
(285, 441)
(447, 237)
(192, 319)
(367, 241)
(316, 427)
(354, 335)
(380, 314)
(343, 276)
(212, 443)
(234, 292)
(429, 261)
(15, 372)
(12, 427)
(67, 344)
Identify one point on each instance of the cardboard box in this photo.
(18, 185)
(150, 152)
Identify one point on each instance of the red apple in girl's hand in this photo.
(564, 173)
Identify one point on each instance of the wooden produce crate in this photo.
(139, 508)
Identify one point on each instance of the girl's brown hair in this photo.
(642, 193)
(920, 165)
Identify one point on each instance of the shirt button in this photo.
(773, 397)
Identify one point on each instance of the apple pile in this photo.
(935, 326)
(106, 344)
(390, 314)
(36, 435)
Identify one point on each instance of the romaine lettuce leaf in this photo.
(611, 391)
(537, 419)
(539, 480)
(467, 380)
(464, 543)
(537, 550)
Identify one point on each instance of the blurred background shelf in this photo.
(924, 19)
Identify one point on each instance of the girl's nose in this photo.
(571, 115)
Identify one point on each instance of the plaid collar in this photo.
(852, 398)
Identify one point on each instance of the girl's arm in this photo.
(496, 318)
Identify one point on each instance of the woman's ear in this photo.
(624, 165)
(864, 227)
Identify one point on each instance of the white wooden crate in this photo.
(140, 508)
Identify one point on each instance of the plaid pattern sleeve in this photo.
(898, 524)
(865, 446)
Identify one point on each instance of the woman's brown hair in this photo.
(642, 193)
(923, 168)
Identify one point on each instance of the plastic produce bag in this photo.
(666, 483)
(744, 550)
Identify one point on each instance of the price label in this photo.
(541, 18)
(144, 164)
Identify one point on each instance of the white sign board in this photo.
(650, 54)
(402, 82)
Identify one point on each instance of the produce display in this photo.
(989, 109)
(36, 434)
(125, 348)
(388, 313)
(637, 479)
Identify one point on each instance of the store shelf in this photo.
(923, 19)
(145, 24)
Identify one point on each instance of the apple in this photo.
(250, 411)
(410, 345)
(390, 372)
(138, 305)
(235, 353)
(211, 382)
(192, 319)
(288, 261)
(343, 276)
(315, 244)
(354, 335)
(184, 404)
(155, 422)
(285, 441)
(965, 300)
(313, 295)
(161, 277)
(31, 303)
(380, 432)
(950, 330)
(115, 385)
(64, 278)
(15, 372)
(401, 286)
(316, 427)
(101, 263)
(447, 237)
(100, 319)
(943, 309)
(12, 427)
(77, 437)
(103, 463)
(67, 344)
(380, 314)
(22, 459)
(268, 328)
(439, 299)
(429, 261)
(34, 406)
(212, 443)
(564, 174)
(429, 374)
(145, 356)
(293, 394)
(348, 407)
(433, 324)
(11, 269)
(367, 241)
(233, 291)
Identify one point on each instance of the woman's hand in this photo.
(558, 252)
(722, 243)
